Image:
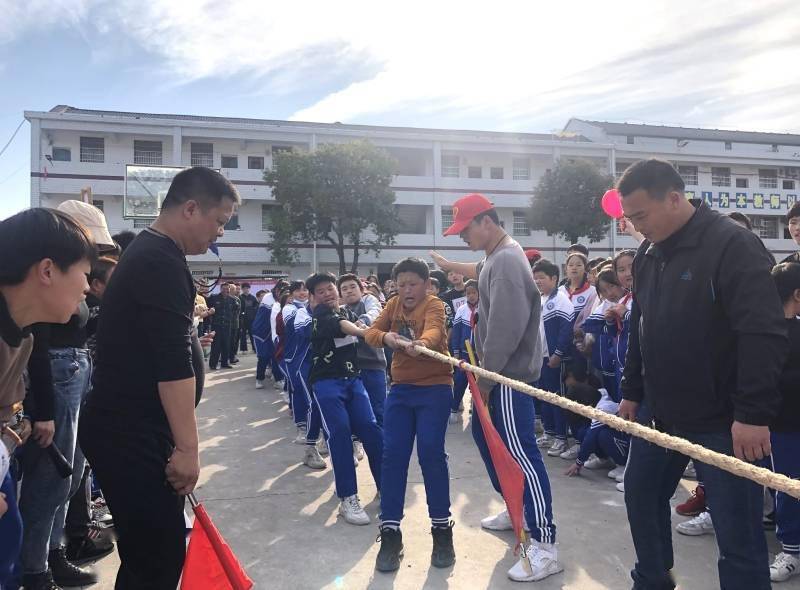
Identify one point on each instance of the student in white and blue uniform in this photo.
(461, 332)
(298, 299)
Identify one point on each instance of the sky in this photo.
(503, 66)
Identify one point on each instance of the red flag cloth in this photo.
(210, 564)
(509, 473)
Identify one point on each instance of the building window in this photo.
(689, 174)
(766, 227)
(255, 162)
(230, 161)
(630, 139)
(720, 177)
(62, 154)
(728, 146)
(147, 153)
(99, 204)
(142, 222)
(520, 169)
(496, 173)
(788, 185)
(233, 223)
(447, 217)
(450, 167)
(521, 224)
(413, 219)
(767, 178)
(475, 172)
(741, 183)
(266, 217)
(93, 149)
(620, 169)
(203, 154)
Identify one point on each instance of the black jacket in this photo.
(708, 337)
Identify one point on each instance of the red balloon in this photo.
(612, 204)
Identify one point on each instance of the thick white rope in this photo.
(775, 481)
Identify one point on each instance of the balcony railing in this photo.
(206, 160)
(95, 155)
(148, 158)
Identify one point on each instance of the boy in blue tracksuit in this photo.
(557, 317)
(298, 298)
(300, 369)
(343, 402)
(461, 332)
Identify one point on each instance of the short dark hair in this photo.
(123, 239)
(348, 277)
(100, 269)
(490, 213)
(198, 183)
(412, 264)
(599, 261)
(655, 176)
(579, 248)
(471, 283)
(245, 285)
(279, 286)
(786, 276)
(608, 275)
(295, 285)
(440, 276)
(32, 235)
(793, 212)
(547, 267)
(744, 219)
(261, 292)
(435, 282)
(315, 280)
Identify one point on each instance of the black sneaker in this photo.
(95, 545)
(443, 554)
(66, 573)
(43, 581)
(391, 552)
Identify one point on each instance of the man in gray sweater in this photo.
(507, 341)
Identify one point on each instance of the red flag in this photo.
(210, 564)
(509, 473)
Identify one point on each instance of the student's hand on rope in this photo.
(440, 260)
(628, 410)
(182, 470)
(750, 443)
(207, 339)
(573, 470)
(411, 351)
(554, 362)
(43, 432)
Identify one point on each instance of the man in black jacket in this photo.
(705, 353)
(249, 305)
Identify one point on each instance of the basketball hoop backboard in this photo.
(145, 189)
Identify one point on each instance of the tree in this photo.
(566, 201)
(339, 193)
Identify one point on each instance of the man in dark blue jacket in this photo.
(706, 347)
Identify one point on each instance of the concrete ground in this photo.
(280, 517)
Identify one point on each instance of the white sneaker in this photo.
(313, 459)
(617, 473)
(278, 385)
(571, 453)
(352, 511)
(621, 486)
(300, 439)
(598, 463)
(545, 440)
(558, 447)
(784, 567)
(498, 522)
(285, 397)
(259, 384)
(544, 562)
(322, 447)
(358, 450)
(454, 418)
(699, 525)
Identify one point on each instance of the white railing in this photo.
(95, 155)
(206, 160)
(148, 158)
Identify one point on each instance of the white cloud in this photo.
(515, 65)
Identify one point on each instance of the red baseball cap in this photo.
(533, 254)
(465, 210)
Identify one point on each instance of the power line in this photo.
(13, 135)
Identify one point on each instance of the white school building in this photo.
(74, 149)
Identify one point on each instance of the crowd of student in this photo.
(120, 386)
